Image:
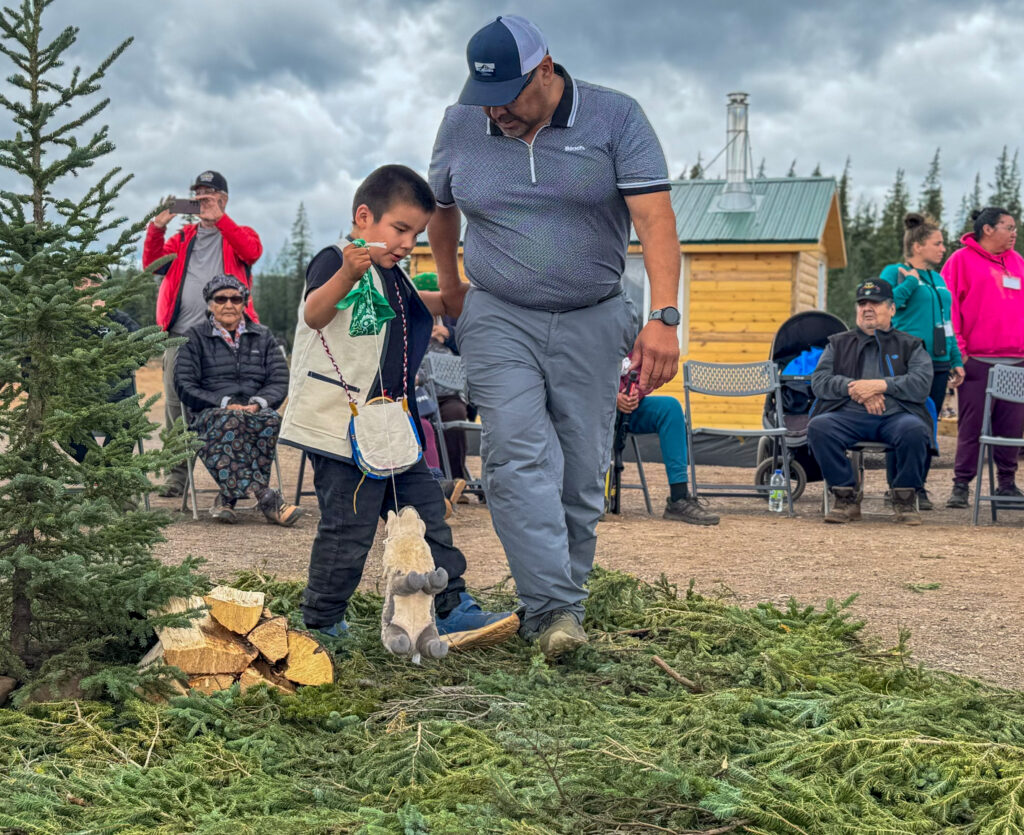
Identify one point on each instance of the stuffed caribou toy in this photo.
(407, 624)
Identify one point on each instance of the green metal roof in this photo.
(789, 209)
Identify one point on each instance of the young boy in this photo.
(392, 206)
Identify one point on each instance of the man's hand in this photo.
(166, 216)
(211, 206)
(956, 377)
(439, 333)
(861, 390)
(453, 294)
(875, 404)
(656, 354)
(627, 403)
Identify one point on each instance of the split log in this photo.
(238, 610)
(156, 656)
(271, 638)
(307, 662)
(205, 647)
(259, 672)
(7, 685)
(210, 684)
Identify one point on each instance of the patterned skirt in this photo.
(238, 448)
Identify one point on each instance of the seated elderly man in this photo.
(871, 384)
(231, 376)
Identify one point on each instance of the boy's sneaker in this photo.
(277, 512)
(689, 510)
(223, 510)
(337, 630)
(467, 626)
(960, 494)
(561, 634)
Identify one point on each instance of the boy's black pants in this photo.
(344, 537)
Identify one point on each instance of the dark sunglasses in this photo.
(227, 300)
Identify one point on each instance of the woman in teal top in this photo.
(923, 305)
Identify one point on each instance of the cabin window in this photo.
(638, 291)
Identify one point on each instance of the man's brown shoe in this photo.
(562, 635)
(904, 506)
(845, 506)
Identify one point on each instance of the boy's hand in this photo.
(355, 262)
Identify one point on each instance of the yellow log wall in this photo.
(736, 303)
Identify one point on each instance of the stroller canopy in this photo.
(810, 329)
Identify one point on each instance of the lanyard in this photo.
(405, 357)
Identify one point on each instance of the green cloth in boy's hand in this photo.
(370, 309)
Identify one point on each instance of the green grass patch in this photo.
(799, 727)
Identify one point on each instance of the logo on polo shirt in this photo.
(484, 67)
(575, 147)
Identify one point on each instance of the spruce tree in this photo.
(889, 239)
(930, 200)
(817, 170)
(77, 574)
(792, 169)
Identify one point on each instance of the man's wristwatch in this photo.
(667, 315)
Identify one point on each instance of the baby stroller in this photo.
(793, 351)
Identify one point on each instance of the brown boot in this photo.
(845, 506)
(904, 506)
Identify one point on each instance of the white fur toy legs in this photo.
(410, 583)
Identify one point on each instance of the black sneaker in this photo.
(923, 501)
(689, 510)
(961, 492)
(1013, 492)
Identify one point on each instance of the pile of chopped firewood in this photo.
(238, 639)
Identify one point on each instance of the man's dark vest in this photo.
(895, 348)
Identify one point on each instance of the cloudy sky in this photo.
(296, 102)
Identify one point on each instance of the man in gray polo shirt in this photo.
(549, 177)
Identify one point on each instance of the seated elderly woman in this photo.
(231, 376)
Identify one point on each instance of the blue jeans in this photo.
(832, 433)
(663, 416)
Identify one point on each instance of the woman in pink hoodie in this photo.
(985, 277)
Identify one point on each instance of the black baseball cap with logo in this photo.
(874, 290)
(211, 179)
(501, 57)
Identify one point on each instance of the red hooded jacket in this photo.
(242, 248)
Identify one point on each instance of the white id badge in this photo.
(1011, 282)
(948, 328)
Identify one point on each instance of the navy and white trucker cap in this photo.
(501, 57)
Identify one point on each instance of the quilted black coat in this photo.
(208, 370)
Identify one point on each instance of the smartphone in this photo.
(181, 206)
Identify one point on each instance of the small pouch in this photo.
(384, 438)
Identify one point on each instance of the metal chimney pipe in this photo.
(736, 196)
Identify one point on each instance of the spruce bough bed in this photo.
(800, 727)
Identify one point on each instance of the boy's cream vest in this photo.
(317, 414)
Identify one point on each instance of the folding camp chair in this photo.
(448, 370)
(742, 380)
(192, 492)
(1005, 382)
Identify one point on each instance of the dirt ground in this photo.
(956, 587)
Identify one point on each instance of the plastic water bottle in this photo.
(776, 495)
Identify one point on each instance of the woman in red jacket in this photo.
(985, 278)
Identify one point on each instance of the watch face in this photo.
(668, 315)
